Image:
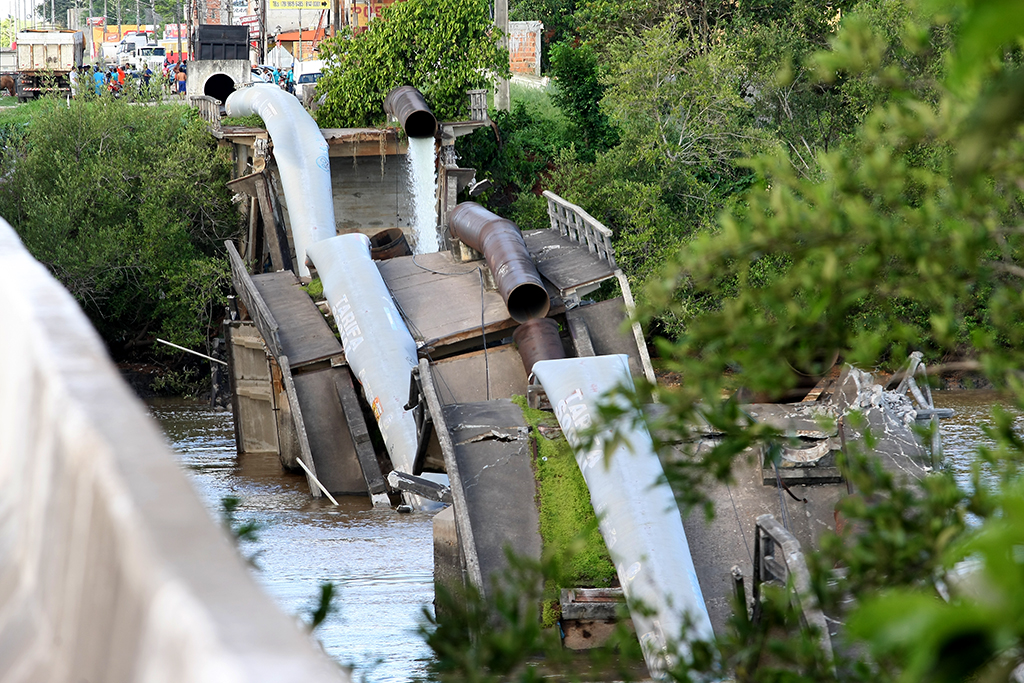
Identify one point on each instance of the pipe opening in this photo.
(219, 86)
(527, 302)
(420, 124)
(408, 106)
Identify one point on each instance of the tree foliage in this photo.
(579, 96)
(876, 213)
(127, 207)
(442, 47)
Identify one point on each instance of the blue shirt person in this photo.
(98, 80)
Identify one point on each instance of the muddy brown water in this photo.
(381, 561)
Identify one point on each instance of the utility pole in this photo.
(299, 57)
(502, 98)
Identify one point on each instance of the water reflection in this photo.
(381, 562)
(963, 433)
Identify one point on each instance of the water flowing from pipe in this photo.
(422, 186)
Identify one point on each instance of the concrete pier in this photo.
(110, 567)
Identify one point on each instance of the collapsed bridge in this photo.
(413, 401)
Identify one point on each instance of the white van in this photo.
(306, 75)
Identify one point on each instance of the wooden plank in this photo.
(289, 450)
(300, 426)
(464, 378)
(444, 436)
(493, 454)
(327, 431)
(253, 300)
(603, 322)
(580, 334)
(638, 334)
(305, 337)
(273, 230)
(419, 283)
(567, 265)
(254, 237)
(235, 409)
(253, 398)
(360, 434)
(246, 184)
(426, 488)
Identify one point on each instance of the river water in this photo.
(381, 561)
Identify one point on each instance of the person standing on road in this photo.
(73, 79)
(180, 79)
(98, 80)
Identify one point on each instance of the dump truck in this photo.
(46, 58)
(220, 41)
(8, 62)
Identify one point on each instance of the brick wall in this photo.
(524, 45)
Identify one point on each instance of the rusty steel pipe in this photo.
(501, 243)
(406, 104)
(538, 339)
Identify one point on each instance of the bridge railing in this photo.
(778, 559)
(111, 568)
(209, 110)
(579, 226)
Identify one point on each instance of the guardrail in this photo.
(778, 559)
(477, 105)
(579, 226)
(209, 110)
(112, 570)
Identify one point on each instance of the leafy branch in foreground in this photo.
(906, 238)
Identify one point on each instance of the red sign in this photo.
(249, 19)
(175, 30)
(96, 21)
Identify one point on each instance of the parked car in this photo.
(305, 87)
(306, 75)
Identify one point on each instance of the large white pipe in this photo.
(301, 153)
(637, 513)
(377, 344)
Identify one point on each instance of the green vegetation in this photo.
(568, 525)
(442, 47)
(790, 182)
(250, 121)
(128, 208)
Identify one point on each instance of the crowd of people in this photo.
(271, 74)
(127, 79)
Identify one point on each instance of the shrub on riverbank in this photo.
(128, 208)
